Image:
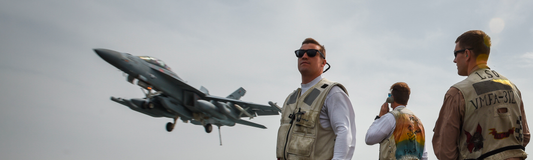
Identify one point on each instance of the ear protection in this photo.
(390, 99)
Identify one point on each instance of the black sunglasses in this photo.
(459, 51)
(310, 52)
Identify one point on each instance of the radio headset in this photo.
(390, 99)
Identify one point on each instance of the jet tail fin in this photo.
(237, 94)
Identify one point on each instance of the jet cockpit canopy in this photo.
(155, 61)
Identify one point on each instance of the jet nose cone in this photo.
(108, 55)
(105, 53)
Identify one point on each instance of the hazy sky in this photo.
(55, 90)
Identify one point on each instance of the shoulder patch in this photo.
(293, 98)
(312, 96)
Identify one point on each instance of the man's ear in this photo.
(323, 62)
(468, 54)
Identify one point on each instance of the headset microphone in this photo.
(329, 66)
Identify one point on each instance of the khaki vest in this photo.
(407, 140)
(300, 136)
(492, 124)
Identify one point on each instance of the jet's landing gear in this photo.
(208, 128)
(170, 125)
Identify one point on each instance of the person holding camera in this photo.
(399, 132)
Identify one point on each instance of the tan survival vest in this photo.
(492, 124)
(407, 140)
(300, 136)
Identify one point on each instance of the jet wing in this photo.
(240, 121)
(176, 82)
(251, 108)
(248, 123)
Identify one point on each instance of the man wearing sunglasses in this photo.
(317, 120)
(483, 116)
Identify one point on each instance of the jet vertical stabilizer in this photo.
(237, 94)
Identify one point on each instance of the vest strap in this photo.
(498, 151)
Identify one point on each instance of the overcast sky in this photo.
(55, 90)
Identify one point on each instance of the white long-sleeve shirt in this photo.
(338, 114)
(382, 129)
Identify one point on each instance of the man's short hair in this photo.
(476, 40)
(313, 41)
(400, 91)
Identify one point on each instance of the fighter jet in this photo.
(167, 95)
